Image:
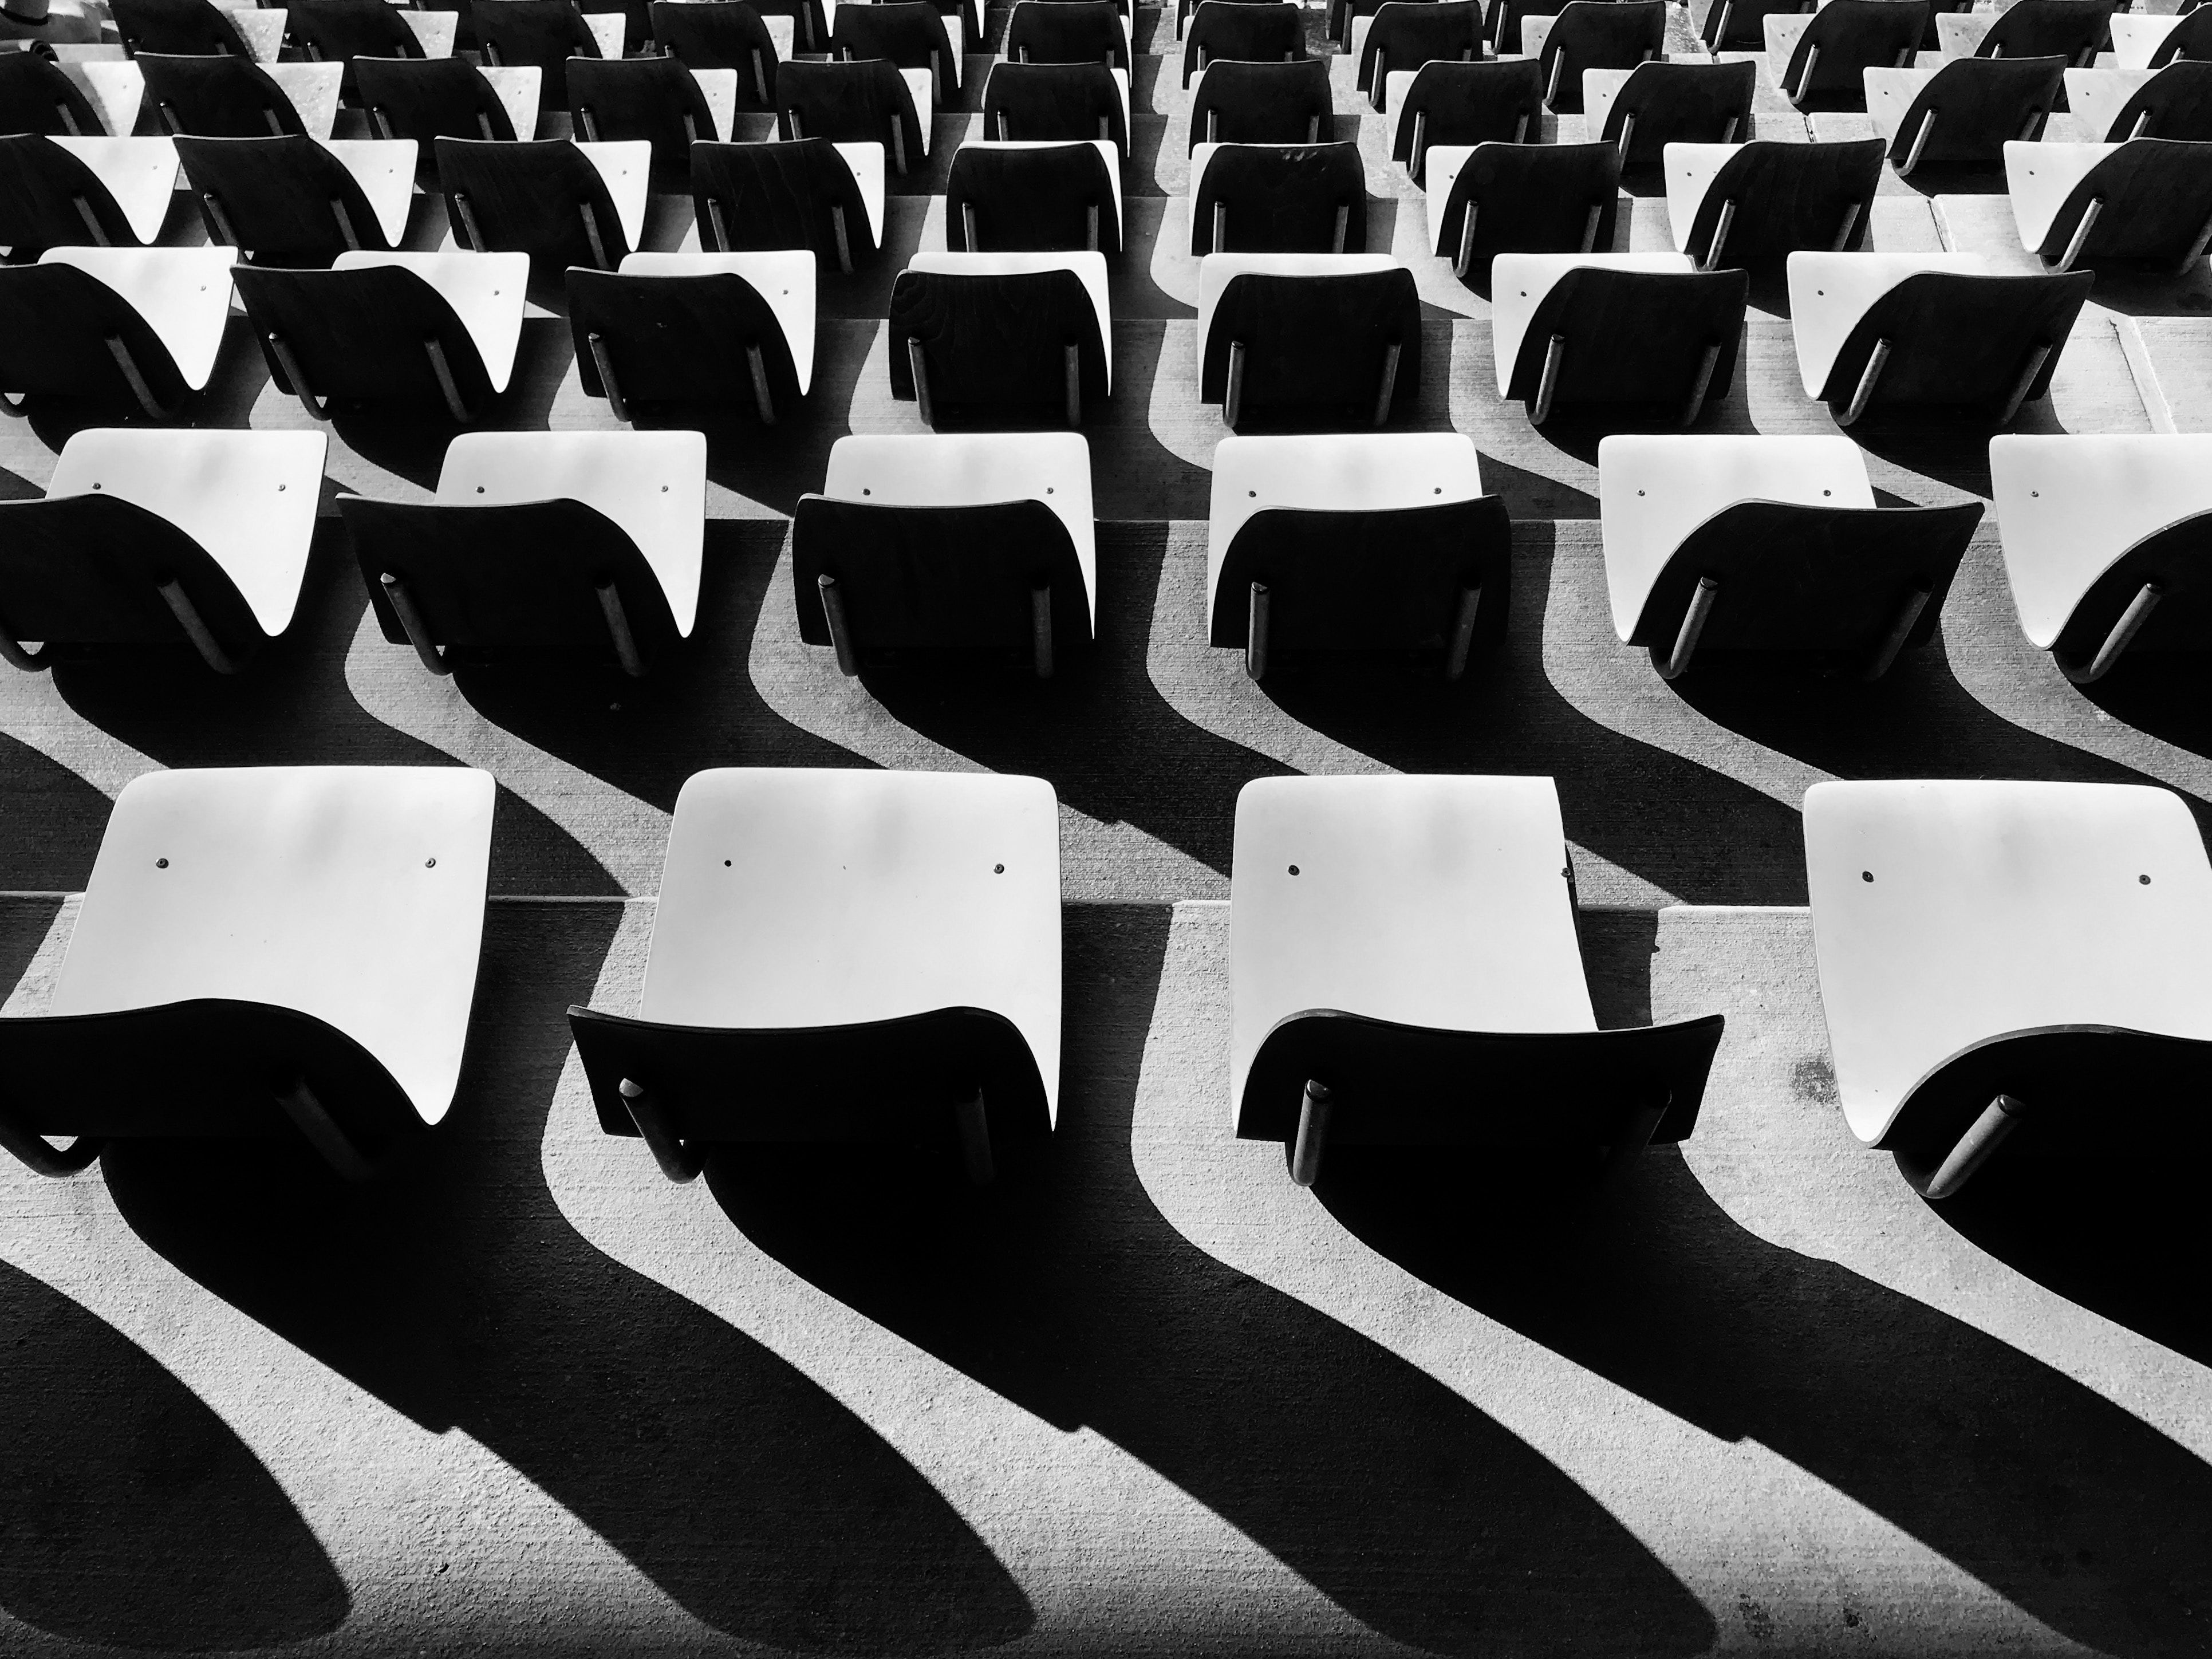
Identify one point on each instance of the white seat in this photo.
(2069, 506)
(1960, 34)
(1890, 92)
(518, 88)
(247, 498)
(263, 31)
(1335, 472)
(2096, 96)
(312, 89)
(793, 898)
(1654, 490)
(2038, 178)
(1691, 170)
(1442, 165)
(1107, 153)
(2136, 36)
(719, 87)
(384, 170)
(785, 280)
(140, 173)
(434, 30)
(1089, 268)
(923, 91)
(652, 484)
(975, 469)
(116, 91)
(625, 166)
(1600, 87)
(486, 291)
(606, 27)
(182, 293)
(352, 894)
(1217, 270)
(1946, 914)
(1520, 282)
(866, 162)
(1830, 292)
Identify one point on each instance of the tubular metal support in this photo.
(2197, 247)
(1877, 360)
(1628, 1145)
(1900, 628)
(2123, 635)
(618, 629)
(1804, 80)
(2081, 237)
(2019, 396)
(1590, 225)
(1220, 227)
(195, 626)
(1315, 1111)
(763, 404)
(921, 368)
(967, 228)
(844, 245)
(1466, 243)
(1628, 134)
(1719, 244)
(312, 1120)
(345, 225)
(447, 386)
(591, 234)
(1072, 361)
(602, 362)
(760, 77)
(1090, 227)
(1850, 223)
(413, 624)
(1041, 630)
(1693, 625)
(973, 1124)
(282, 352)
(718, 226)
(1232, 401)
(1390, 384)
(469, 221)
(1555, 357)
(1699, 387)
(1919, 143)
(1255, 632)
(1343, 226)
(129, 367)
(840, 627)
(677, 1161)
(898, 146)
(1462, 634)
(1420, 145)
(1975, 1148)
(92, 222)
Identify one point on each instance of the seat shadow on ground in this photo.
(2063, 1503)
(454, 1290)
(1064, 1289)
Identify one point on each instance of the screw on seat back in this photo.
(51, 198)
(1241, 103)
(544, 32)
(720, 34)
(1317, 349)
(763, 197)
(1590, 34)
(184, 27)
(36, 97)
(217, 97)
(286, 201)
(543, 198)
(994, 345)
(1300, 199)
(1059, 199)
(655, 99)
(431, 99)
(1479, 103)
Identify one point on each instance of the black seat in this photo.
(1054, 103)
(545, 199)
(181, 28)
(646, 340)
(2076, 30)
(1662, 339)
(1240, 103)
(1603, 35)
(285, 201)
(655, 99)
(761, 196)
(910, 33)
(1845, 39)
(543, 33)
(1280, 199)
(1772, 198)
(850, 103)
(2174, 103)
(1244, 32)
(1662, 104)
(992, 347)
(1974, 106)
(1068, 32)
(1500, 102)
(720, 34)
(1528, 198)
(1314, 353)
(36, 96)
(1058, 199)
(339, 31)
(427, 99)
(1407, 33)
(217, 97)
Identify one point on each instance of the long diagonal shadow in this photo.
(1064, 1289)
(2063, 1503)
(454, 1290)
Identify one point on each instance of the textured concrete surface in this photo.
(1144, 1395)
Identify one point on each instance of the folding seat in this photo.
(1060, 103)
(802, 193)
(912, 34)
(1018, 197)
(873, 101)
(1278, 198)
(722, 34)
(1644, 109)
(2153, 41)
(696, 328)
(2114, 106)
(292, 201)
(557, 200)
(1594, 34)
(1403, 35)
(1520, 198)
(1237, 103)
(447, 98)
(235, 98)
(1464, 104)
(660, 100)
(1326, 342)
(145, 319)
(161, 537)
(975, 542)
(977, 336)
(80, 101)
(1068, 32)
(544, 34)
(2146, 199)
(1822, 60)
(1240, 31)
(1740, 25)
(2010, 964)
(1929, 329)
(260, 946)
(1729, 202)
(1426, 988)
(1963, 109)
(542, 540)
(1355, 542)
(421, 328)
(339, 31)
(110, 192)
(2105, 543)
(1615, 328)
(843, 956)
(190, 28)
(2072, 30)
(1756, 544)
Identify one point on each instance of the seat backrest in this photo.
(1606, 34)
(1316, 346)
(1068, 32)
(1961, 340)
(1680, 103)
(544, 32)
(433, 99)
(1498, 102)
(530, 198)
(655, 99)
(2178, 101)
(1040, 200)
(995, 344)
(847, 103)
(1853, 36)
(2190, 38)
(217, 97)
(1245, 31)
(1503, 26)
(1533, 199)
(338, 31)
(720, 34)
(1254, 103)
(180, 26)
(910, 33)
(279, 197)
(1282, 199)
(2073, 29)
(359, 334)
(41, 185)
(769, 195)
(67, 353)
(681, 337)
(1789, 197)
(1740, 25)
(1408, 33)
(36, 96)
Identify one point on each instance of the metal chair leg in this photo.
(1232, 401)
(1694, 626)
(677, 1161)
(312, 1119)
(2018, 394)
(844, 246)
(1255, 632)
(1315, 1111)
(2079, 240)
(618, 629)
(973, 1125)
(447, 386)
(2123, 635)
(921, 368)
(414, 624)
(129, 367)
(1041, 630)
(1877, 360)
(1977, 1146)
(92, 222)
(1390, 384)
(1071, 359)
(195, 626)
(1900, 628)
(841, 627)
(605, 363)
(1919, 143)
(1466, 243)
(1462, 634)
(763, 404)
(1547, 387)
(1701, 384)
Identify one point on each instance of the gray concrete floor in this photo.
(1143, 1395)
